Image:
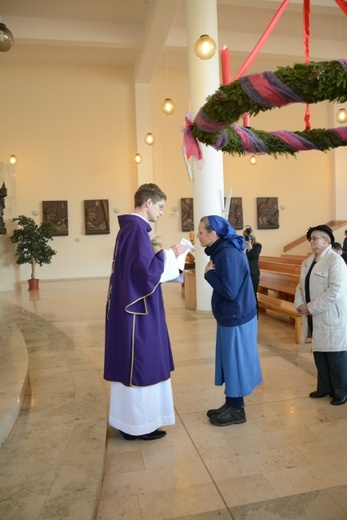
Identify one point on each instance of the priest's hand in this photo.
(179, 249)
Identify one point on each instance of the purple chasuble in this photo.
(137, 345)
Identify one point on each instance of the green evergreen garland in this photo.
(315, 82)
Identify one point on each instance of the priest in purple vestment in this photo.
(138, 357)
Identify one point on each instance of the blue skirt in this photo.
(237, 359)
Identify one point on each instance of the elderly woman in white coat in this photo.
(321, 297)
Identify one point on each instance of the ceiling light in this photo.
(168, 106)
(6, 38)
(253, 160)
(205, 47)
(341, 115)
(149, 139)
(12, 159)
(138, 158)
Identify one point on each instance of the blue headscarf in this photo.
(224, 229)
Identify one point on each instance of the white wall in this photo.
(72, 129)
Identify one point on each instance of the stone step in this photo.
(13, 375)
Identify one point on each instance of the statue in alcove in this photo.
(3, 194)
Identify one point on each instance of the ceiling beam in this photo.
(157, 27)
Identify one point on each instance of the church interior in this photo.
(82, 86)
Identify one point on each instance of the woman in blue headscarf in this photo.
(234, 308)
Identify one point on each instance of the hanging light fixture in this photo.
(341, 115)
(252, 160)
(205, 47)
(6, 38)
(168, 106)
(149, 139)
(12, 159)
(138, 158)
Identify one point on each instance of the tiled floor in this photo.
(288, 461)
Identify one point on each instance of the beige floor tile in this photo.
(293, 419)
(19, 508)
(180, 501)
(134, 483)
(315, 505)
(274, 439)
(245, 490)
(211, 449)
(291, 481)
(119, 509)
(124, 462)
(334, 431)
(322, 451)
(339, 495)
(166, 455)
(330, 473)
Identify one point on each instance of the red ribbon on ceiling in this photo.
(258, 46)
(342, 5)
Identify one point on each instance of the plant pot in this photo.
(33, 284)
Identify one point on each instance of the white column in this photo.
(208, 180)
(339, 171)
(340, 182)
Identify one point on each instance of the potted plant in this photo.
(32, 245)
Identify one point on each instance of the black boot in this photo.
(217, 411)
(229, 416)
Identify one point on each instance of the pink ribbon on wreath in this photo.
(191, 144)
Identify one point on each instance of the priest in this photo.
(138, 357)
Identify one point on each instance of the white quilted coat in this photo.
(328, 305)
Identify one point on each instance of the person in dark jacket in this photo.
(234, 308)
(344, 245)
(336, 246)
(253, 250)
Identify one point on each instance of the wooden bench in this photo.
(295, 259)
(284, 259)
(282, 284)
(282, 307)
(281, 267)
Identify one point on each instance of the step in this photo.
(13, 375)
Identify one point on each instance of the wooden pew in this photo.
(279, 266)
(282, 307)
(285, 259)
(297, 259)
(282, 287)
(283, 284)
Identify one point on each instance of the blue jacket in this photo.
(233, 300)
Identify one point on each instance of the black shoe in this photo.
(217, 411)
(157, 434)
(129, 437)
(229, 416)
(318, 395)
(336, 401)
